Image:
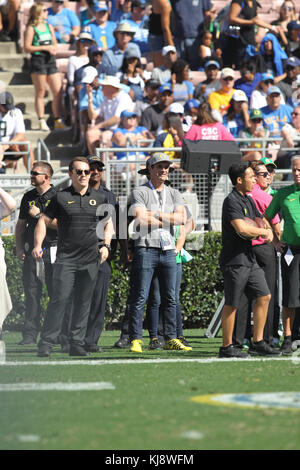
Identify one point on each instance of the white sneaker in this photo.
(43, 125)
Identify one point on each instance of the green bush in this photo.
(201, 288)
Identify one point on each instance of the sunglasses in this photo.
(257, 120)
(80, 172)
(263, 173)
(288, 8)
(86, 40)
(228, 79)
(295, 114)
(36, 173)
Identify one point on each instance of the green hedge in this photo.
(201, 288)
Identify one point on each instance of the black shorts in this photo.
(11, 156)
(43, 64)
(291, 279)
(240, 279)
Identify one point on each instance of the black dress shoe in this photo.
(92, 348)
(78, 351)
(44, 351)
(27, 340)
(122, 342)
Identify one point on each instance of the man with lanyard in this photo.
(157, 209)
(76, 209)
(287, 201)
(237, 261)
(33, 204)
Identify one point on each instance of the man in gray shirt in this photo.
(157, 209)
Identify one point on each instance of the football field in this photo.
(157, 400)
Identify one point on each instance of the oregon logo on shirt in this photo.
(31, 203)
(92, 202)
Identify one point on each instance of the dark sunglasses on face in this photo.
(86, 40)
(295, 114)
(256, 120)
(36, 173)
(262, 173)
(80, 172)
(228, 79)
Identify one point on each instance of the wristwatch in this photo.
(37, 216)
(106, 245)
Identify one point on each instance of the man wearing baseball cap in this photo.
(292, 70)
(101, 29)
(65, 22)
(139, 21)
(211, 83)
(152, 117)
(219, 101)
(276, 115)
(162, 73)
(157, 209)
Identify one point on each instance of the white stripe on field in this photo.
(103, 362)
(60, 386)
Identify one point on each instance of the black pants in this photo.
(33, 292)
(98, 305)
(266, 259)
(69, 280)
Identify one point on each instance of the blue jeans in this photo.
(146, 262)
(155, 314)
(188, 49)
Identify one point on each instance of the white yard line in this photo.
(60, 386)
(136, 361)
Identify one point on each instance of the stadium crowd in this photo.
(132, 76)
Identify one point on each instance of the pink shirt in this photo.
(214, 131)
(262, 201)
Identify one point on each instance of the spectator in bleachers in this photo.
(12, 129)
(237, 117)
(249, 78)
(86, 12)
(40, 42)
(65, 22)
(95, 56)
(190, 18)
(259, 96)
(183, 88)
(122, 11)
(293, 39)
(139, 21)
(101, 29)
(115, 101)
(190, 112)
(132, 74)
(238, 35)
(162, 74)
(292, 69)
(271, 56)
(211, 83)
(160, 33)
(207, 50)
(276, 115)
(289, 133)
(256, 131)
(287, 13)
(219, 100)
(80, 58)
(152, 117)
(8, 11)
(150, 97)
(90, 90)
(206, 127)
(112, 59)
(127, 135)
(172, 134)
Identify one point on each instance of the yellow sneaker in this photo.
(136, 346)
(59, 124)
(176, 345)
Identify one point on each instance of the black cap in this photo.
(95, 159)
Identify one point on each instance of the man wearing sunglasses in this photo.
(33, 204)
(81, 220)
(219, 100)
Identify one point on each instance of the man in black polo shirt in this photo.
(237, 261)
(33, 204)
(76, 209)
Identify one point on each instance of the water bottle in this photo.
(2, 352)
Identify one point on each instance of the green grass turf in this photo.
(151, 406)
